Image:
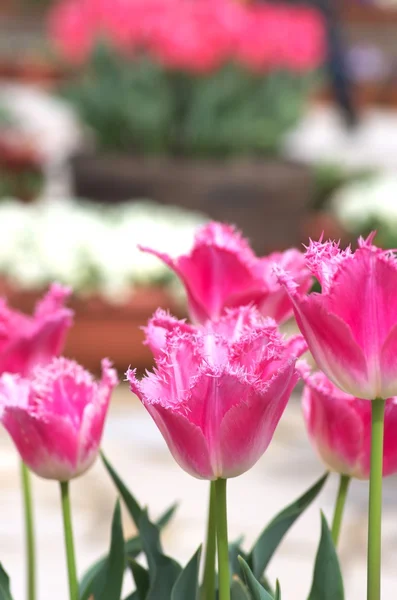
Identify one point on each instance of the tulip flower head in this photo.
(339, 427)
(222, 271)
(351, 326)
(28, 341)
(218, 391)
(56, 417)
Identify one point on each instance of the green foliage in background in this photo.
(138, 106)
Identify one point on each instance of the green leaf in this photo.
(257, 591)
(141, 578)
(272, 535)
(163, 570)
(132, 505)
(235, 551)
(187, 585)
(277, 595)
(109, 580)
(327, 578)
(133, 547)
(167, 516)
(238, 591)
(5, 593)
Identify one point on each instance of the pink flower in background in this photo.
(222, 271)
(218, 392)
(56, 417)
(196, 36)
(26, 341)
(281, 37)
(339, 426)
(351, 326)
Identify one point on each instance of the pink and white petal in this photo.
(185, 441)
(47, 444)
(158, 328)
(333, 347)
(53, 302)
(363, 296)
(248, 427)
(335, 427)
(388, 365)
(14, 391)
(390, 438)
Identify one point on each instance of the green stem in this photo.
(209, 564)
(222, 539)
(375, 501)
(339, 507)
(29, 533)
(69, 543)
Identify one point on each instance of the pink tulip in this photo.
(56, 417)
(222, 271)
(339, 427)
(218, 392)
(351, 326)
(27, 341)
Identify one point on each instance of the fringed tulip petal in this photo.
(221, 271)
(56, 417)
(339, 427)
(218, 391)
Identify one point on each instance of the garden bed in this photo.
(268, 199)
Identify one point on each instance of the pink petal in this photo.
(333, 347)
(248, 427)
(158, 328)
(337, 429)
(185, 441)
(390, 440)
(388, 362)
(49, 446)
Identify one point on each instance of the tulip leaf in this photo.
(133, 547)
(141, 578)
(327, 578)
(238, 591)
(163, 570)
(257, 591)
(235, 551)
(187, 585)
(132, 505)
(5, 593)
(109, 580)
(270, 538)
(277, 595)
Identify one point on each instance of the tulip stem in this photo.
(375, 500)
(344, 481)
(222, 539)
(29, 533)
(210, 552)
(69, 543)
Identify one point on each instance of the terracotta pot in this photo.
(104, 330)
(267, 199)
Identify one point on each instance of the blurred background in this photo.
(135, 121)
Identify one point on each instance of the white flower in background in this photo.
(92, 248)
(369, 200)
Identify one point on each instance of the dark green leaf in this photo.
(235, 551)
(133, 547)
(257, 591)
(132, 505)
(141, 578)
(5, 593)
(187, 584)
(238, 590)
(109, 580)
(133, 596)
(327, 579)
(167, 516)
(272, 535)
(163, 570)
(277, 595)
